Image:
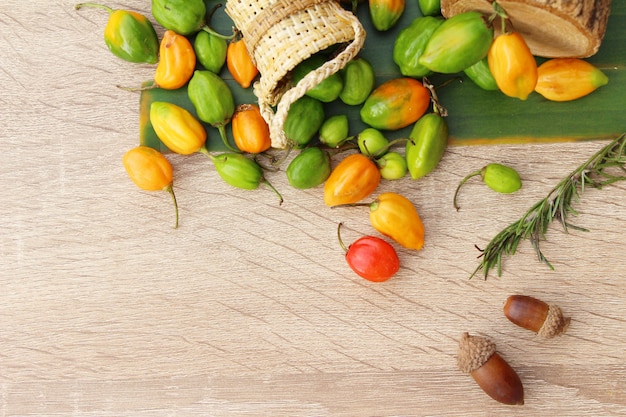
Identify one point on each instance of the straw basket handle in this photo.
(272, 15)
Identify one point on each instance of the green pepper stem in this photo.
(269, 184)
(170, 191)
(134, 89)
(463, 181)
(96, 5)
(343, 245)
(211, 31)
(388, 146)
(203, 150)
(222, 129)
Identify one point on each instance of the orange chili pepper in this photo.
(251, 132)
(512, 65)
(396, 217)
(177, 61)
(177, 128)
(240, 64)
(150, 171)
(565, 79)
(353, 179)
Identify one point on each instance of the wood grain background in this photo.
(248, 309)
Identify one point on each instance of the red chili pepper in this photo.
(371, 257)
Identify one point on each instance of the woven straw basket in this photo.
(280, 34)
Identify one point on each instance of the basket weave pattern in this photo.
(279, 35)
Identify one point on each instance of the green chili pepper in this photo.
(430, 7)
(129, 35)
(328, 89)
(427, 142)
(359, 80)
(458, 43)
(182, 16)
(371, 141)
(304, 119)
(410, 44)
(213, 101)
(481, 75)
(309, 168)
(240, 171)
(334, 131)
(210, 51)
(392, 166)
(498, 177)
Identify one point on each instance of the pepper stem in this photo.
(96, 5)
(388, 146)
(211, 31)
(170, 191)
(343, 245)
(269, 184)
(222, 129)
(463, 181)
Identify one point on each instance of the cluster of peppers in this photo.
(430, 44)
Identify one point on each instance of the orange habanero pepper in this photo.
(177, 61)
(240, 64)
(565, 79)
(512, 65)
(396, 217)
(251, 132)
(353, 179)
(150, 171)
(177, 128)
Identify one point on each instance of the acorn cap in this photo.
(474, 351)
(555, 323)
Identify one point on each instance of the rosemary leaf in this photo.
(557, 205)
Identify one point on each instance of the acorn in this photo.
(478, 357)
(535, 315)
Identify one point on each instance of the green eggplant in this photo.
(427, 143)
(458, 43)
(410, 44)
(309, 168)
(129, 35)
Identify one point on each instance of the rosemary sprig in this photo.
(557, 205)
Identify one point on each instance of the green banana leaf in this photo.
(475, 116)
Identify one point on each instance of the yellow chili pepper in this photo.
(177, 128)
(240, 64)
(396, 217)
(353, 179)
(150, 171)
(251, 132)
(177, 61)
(512, 65)
(565, 79)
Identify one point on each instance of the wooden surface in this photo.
(248, 309)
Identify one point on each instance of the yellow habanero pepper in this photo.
(177, 128)
(177, 61)
(150, 171)
(396, 217)
(240, 64)
(512, 65)
(251, 132)
(565, 79)
(353, 179)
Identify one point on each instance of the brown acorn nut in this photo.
(478, 357)
(533, 314)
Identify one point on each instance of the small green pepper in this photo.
(129, 35)
(309, 168)
(430, 7)
(427, 143)
(334, 131)
(304, 119)
(384, 14)
(498, 177)
(410, 44)
(240, 171)
(328, 89)
(359, 80)
(458, 43)
(182, 16)
(210, 51)
(213, 101)
(481, 75)
(392, 166)
(371, 141)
